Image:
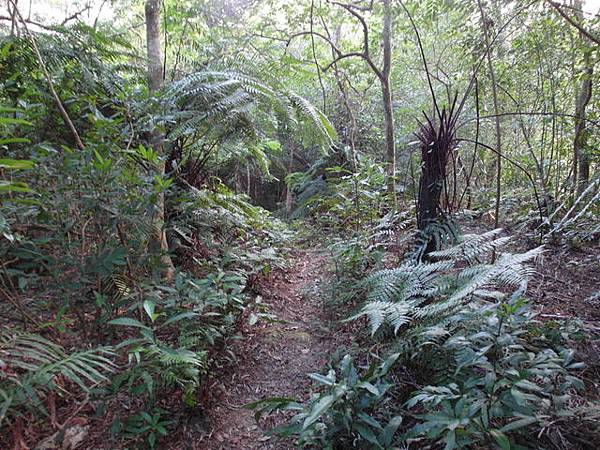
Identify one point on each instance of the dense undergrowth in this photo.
(457, 357)
(132, 242)
(87, 314)
(91, 318)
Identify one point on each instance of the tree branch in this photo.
(421, 50)
(340, 57)
(74, 16)
(529, 113)
(581, 29)
(61, 108)
(365, 53)
(30, 22)
(314, 54)
(315, 33)
(517, 165)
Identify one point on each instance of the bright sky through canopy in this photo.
(50, 11)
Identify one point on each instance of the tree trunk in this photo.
(248, 180)
(430, 190)
(581, 158)
(288, 194)
(486, 34)
(155, 82)
(388, 110)
(390, 146)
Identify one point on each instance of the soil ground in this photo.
(567, 284)
(275, 357)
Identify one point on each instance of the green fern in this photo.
(220, 105)
(31, 363)
(425, 293)
(472, 246)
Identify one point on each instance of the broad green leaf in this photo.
(9, 186)
(501, 439)
(318, 410)
(520, 423)
(178, 317)
(14, 141)
(450, 440)
(367, 434)
(390, 429)
(128, 321)
(326, 380)
(13, 121)
(369, 387)
(149, 307)
(369, 420)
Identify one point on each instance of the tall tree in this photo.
(486, 34)
(388, 112)
(583, 95)
(382, 72)
(155, 83)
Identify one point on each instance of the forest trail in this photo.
(275, 357)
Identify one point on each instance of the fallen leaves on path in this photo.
(275, 357)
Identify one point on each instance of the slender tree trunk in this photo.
(288, 193)
(384, 79)
(248, 180)
(155, 82)
(57, 100)
(581, 159)
(486, 34)
(388, 110)
(13, 17)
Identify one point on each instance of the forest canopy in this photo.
(276, 224)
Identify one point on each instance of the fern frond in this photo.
(426, 293)
(31, 363)
(316, 116)
(378, 313)
(507, 271)
(473, 246)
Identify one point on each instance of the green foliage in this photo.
(211, 107)
(475, 368)
(419, 293)
(435, 236)
(359, 253)
(77, 233)
(498, 384)
(151, 425)
(78, 251)
(491, 382)
(31, 367)
(179, 329)
(344, 410)
(339, 199)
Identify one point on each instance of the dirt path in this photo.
(275, 358)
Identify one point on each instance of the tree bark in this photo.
(390, 146)
(430, 189)
(581, 159)
(155, 83)
(288, 193)
(486, 34)
(388, 110)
